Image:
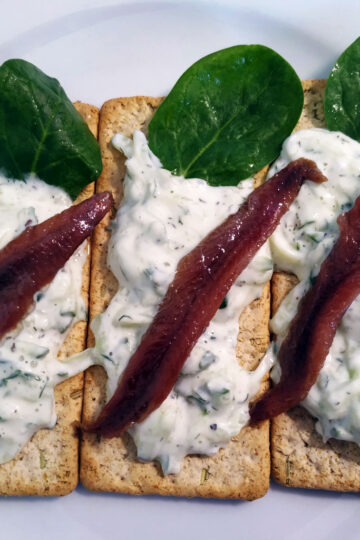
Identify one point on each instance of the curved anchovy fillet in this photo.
(304, 350)
(202, 279)
(32, 259)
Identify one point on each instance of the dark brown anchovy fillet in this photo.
(303, 352)
(202, 279)
(32, 259)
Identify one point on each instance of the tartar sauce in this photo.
(303, 239)
(29, 368)
(161, 218)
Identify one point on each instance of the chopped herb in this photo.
(30, 376)
(43, 353)
(108, 358)
(224, 303)
(4, 381)
(323, 381)
(288, 470)
(220, 392)
(124, 317)
(306, 224)
(244, 400)
(346, 206)
(207, 359)
(43, 388)
(313, 238)
(63, 329)
(43, 461)
(353, 373)
(204, 476)
(68, 313)
(196, 399)
(148, 272)
(19, 373)
(123, 272)
(267, 264)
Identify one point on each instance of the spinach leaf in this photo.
(227, 115)
(41, 132)
(342, 93)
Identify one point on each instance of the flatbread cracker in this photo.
(300, 458)
(241, 470)
(48, 464)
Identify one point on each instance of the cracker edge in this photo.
(242, 469)
(299, 457)
(48, 465)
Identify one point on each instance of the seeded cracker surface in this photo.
(48, 464)
(241, 470)
(299, 456)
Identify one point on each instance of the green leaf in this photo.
(342, 93)
(41, 132)
(227, 115)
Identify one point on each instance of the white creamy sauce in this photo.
(29, 368)
(300, 243)
(161, 219)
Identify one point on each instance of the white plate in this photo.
(100, 50)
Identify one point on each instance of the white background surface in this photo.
(102, 49)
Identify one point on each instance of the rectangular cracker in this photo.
(241, 470)
(299, 457)
(48, 464)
